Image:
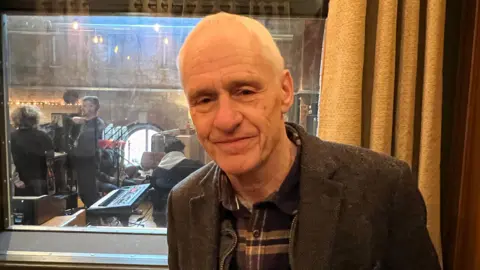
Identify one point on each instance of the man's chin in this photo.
(235, 166)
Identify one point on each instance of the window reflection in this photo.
(113, 163)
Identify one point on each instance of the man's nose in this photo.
(227, 118)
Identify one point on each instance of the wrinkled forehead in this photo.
(224, 56)
(224, 52)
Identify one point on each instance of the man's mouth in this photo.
(232, 140)
(234, 145)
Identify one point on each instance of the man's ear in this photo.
(286, 82)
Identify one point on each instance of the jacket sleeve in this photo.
(171, 237)
(410, 244)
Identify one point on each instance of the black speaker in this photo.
(36, 210)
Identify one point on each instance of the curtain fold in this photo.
(345, 61)
(431, 120)
(383, 78)
(382, 85)
(406, 80)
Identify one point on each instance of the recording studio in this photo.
(131, 183)
(110, 101)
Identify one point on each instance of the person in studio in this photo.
(30, 148)
(86, 149)
(173, 168)
(276, 197)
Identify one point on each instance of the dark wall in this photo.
(299, 8)
(459, 32)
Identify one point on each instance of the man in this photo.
(276, 197)
(85, 149)
(173, 168)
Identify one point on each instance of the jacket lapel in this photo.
(320, 203)
(204, 227)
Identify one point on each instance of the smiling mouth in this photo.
(233, 140)
(235, 145)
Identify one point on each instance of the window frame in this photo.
(16, 246)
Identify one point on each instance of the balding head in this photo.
(237, 90)
(231, 32)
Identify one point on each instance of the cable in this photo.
(141, 220)
(145, 214)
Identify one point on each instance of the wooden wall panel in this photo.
(461, 160)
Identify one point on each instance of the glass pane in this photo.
(111, 111)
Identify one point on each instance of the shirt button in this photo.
(256, 233)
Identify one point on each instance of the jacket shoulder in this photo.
(363, 157)
(325, 153)
(356, 164)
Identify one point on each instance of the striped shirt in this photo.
(264, 231)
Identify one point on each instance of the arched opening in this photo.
(139, 140)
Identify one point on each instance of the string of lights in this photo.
(143, 106)
(42, 103)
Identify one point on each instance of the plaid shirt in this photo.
(264, 231)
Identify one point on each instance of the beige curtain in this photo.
(382, 85)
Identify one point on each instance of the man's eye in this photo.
(246, 92)
(204, 100)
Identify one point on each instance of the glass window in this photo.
(96, 109)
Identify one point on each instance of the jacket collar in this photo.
(205, 222)
(320, 201)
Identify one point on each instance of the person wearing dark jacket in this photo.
(274, 196)
(30, 148)
(85, 149)
(106, 171)
(173, 168)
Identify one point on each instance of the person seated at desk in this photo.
(173, 168)
(30, 148)
(106, 174)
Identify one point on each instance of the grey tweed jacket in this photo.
(358, 210)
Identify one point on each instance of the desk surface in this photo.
(77, 219)
(147, 222)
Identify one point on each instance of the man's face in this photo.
(237, 100)
(88, 108)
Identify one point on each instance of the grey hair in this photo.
(26, 116)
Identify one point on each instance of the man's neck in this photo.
(258, 184)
